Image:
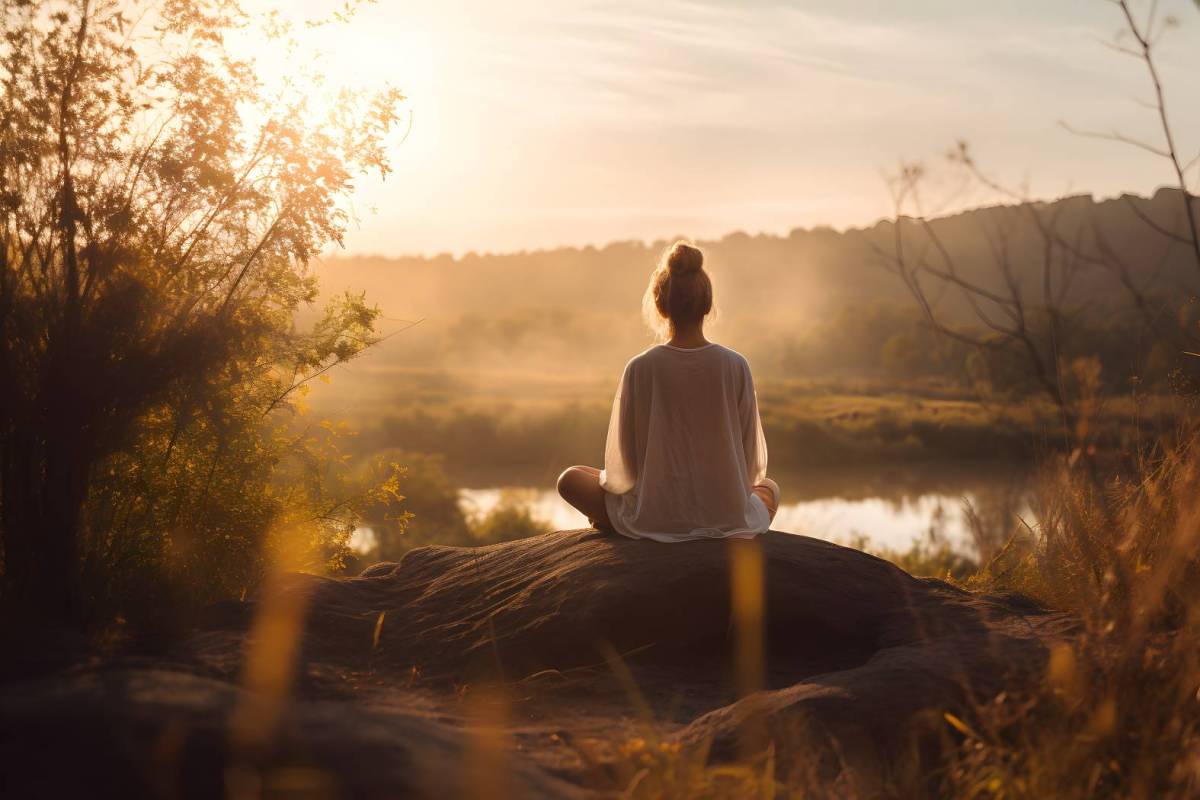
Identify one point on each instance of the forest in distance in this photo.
(850, 372)
(862, 397)
(814, 304)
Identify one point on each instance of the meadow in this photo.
(535, 424)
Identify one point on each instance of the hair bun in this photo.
(684, 259)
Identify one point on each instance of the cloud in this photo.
(583, 121)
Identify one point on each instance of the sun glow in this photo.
(531, 125)
(318, 58)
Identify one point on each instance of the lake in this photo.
(887, 508)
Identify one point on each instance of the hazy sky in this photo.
(544, 123)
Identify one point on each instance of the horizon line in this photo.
(663, 241)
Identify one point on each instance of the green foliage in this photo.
(424, 509)
(160, 208)
(511, 518)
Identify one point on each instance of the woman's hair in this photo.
(680, 291)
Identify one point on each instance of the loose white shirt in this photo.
(685, 447)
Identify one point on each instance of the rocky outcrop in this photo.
(588, 638)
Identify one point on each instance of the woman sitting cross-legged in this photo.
(685, 457)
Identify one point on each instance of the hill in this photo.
(814, 302)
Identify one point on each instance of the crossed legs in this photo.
(768, 492)
(580, 486)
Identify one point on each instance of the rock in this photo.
(156, 732)
(584, 632)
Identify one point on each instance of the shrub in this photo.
(1119, 712)
(158, 212)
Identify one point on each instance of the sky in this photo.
(538, 124)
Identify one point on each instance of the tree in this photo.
(159, 209)
(1033, 332)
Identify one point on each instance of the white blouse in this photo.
(685, 447)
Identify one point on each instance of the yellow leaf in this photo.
(378, 629)
(1062, 671)
(959, 725)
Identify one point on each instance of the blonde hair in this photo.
(680, 290)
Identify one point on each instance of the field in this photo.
(531, 425)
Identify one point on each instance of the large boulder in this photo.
(587, 633)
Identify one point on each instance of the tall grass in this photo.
(1118, 714)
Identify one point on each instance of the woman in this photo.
(685, 457)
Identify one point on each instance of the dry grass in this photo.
(1119, 712)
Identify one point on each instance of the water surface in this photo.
(848, 507)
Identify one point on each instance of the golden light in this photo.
(319, 56)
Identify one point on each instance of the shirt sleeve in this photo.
(754, 444)
(620, 455)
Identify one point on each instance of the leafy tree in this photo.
(159, 207)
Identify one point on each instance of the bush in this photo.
(511, 518)
(424, 510)
(149, 282)
(1119, 713)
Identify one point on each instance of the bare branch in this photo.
(1154, 225)
(1168, 135)
(1114, 136)
(1116, 48)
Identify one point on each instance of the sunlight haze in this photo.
(536, 124)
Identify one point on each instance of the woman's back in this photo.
(685, 457)
(685, 447)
